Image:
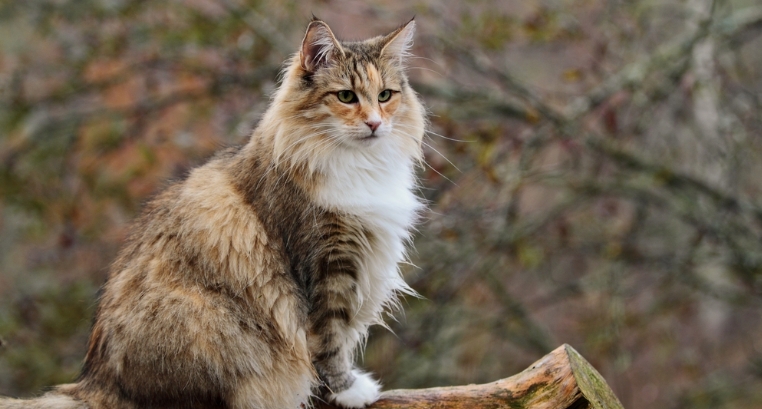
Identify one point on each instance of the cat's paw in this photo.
(364, 391)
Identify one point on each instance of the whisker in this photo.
(435, 150)
(439, 173)
(434, 133)
(418, 57)
(431, 167)
(440, 154)
(427, 69)
(449, 139)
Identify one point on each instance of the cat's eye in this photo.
(384, 95)
(346, 97)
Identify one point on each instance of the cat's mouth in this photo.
(369, 137)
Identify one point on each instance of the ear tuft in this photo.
(400, 41)
(318, 46)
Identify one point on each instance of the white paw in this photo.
(363, 392)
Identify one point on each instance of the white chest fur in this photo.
(377, 189)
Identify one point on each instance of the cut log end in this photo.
(563, 379)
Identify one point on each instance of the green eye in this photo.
(347, 97)
(384, 95)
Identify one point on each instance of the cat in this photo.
(252, 283)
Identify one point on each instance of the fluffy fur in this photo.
(251, 283)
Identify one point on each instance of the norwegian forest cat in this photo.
(251, 283)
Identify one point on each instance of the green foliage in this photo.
(41, 326)
(492, 31)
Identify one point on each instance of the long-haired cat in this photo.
(251, 283)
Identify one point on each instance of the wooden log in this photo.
(563, 379)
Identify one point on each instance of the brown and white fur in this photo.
(251, 283)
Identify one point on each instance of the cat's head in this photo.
(349, 98)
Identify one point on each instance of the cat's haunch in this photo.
(251, 283)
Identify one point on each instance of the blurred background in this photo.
(594, 175)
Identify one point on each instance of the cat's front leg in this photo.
(344, 384)
(334, 339)
(364, 391)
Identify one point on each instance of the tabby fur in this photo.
(251, 283)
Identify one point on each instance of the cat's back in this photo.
(199, 278)
(205, 220)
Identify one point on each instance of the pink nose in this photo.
(373, 125)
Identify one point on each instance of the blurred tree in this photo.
(606, 192)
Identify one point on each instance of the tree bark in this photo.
(563, 379)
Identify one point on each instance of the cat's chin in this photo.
(370, 138)
(365, 141)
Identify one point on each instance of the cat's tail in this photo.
(51, 400)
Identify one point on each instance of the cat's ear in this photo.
(398, 43)
(318, 46)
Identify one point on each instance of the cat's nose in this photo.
(373, 125)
